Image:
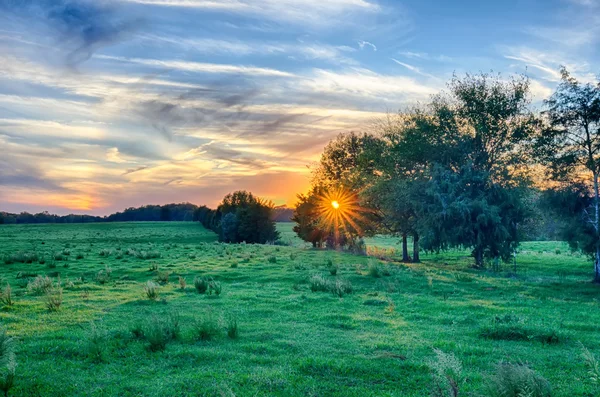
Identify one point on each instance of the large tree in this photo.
(570, 147)
(476, 172)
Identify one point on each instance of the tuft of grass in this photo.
(79, 255)
(96, 345)
(201, 284)
(151, 290)
(333, 269)
(509, 328)
(215, 287)
(6, 296)
(340, 287)
(207, 327)
(318, 283)
(516, 380)
(39, 285)
(447, 377)
(374, 270)
(182, 282)
(162, 277)
(592, 364)
(8, 362)
(272, 259)
(105, 252)
(153, 267)
(54, 299)
(232, 327)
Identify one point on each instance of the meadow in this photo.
(163, 309)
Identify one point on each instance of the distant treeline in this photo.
(149, 213)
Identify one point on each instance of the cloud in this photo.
(362, 44)
(201, 67)
(81, 27)
(316, 13)
(413, 69)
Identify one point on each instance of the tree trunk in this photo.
(478, 256)
(405, 256)
(597, 228)
(416, 258)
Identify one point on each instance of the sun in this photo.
(340, 212)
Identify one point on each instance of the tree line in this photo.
(474, 168)
(241, 217)
(167, 212)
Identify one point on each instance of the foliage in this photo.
(447, 376)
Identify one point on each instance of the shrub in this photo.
(102, 277)
(272, 259)
(137, 331)
(105, 252)
(39, 285)
(6, 296)
(512, 331)
(516, 380)
(151, 290)
(446, 374)
(182, 282)
(201, 284)
(8, 362)
(207, 327)
(54, 299)
(153, 267)
(156, 335)
(318, 283)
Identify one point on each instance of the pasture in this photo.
(280, 320)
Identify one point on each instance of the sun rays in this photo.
(340, 212)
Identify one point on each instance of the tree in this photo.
(474, 195)
(253, 219)
(570, 147)
(306, 216)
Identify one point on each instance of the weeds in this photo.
(592, 365)
(214, 287)
(162, 277)
(201, 284)
(54, 299)
(232, 327)
(207, 327)
(182, 282)
(516, 380)
(6, 296)
(446, 373)
(39, 285)
(8, 362)
(151, 290)
(96, 340)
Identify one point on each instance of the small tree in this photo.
(570, 147)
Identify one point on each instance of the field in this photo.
(111, 336)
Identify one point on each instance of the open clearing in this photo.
(374, 341)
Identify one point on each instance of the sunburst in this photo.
(340, 211)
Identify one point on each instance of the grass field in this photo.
(108, 338)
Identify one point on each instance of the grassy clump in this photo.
(318, 283)
(516, 380)
(96, 345)
(54, 299)
(162, 277)
(39, 285)
(201, 284)
(182, 282)
(374, 270)
(160, 331)
(447, 377)
(215, 287)
(151, 290)
(20, 257)
(8, 362)
(6, 297)
(232, 327)
(338, 287)
(207, 327)
(511, 329)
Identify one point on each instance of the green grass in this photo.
(376, 340)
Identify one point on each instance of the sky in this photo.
(106, 105)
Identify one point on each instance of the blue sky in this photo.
(111, 104)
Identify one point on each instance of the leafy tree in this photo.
(229, 226)
(307, 219)
(570, 147)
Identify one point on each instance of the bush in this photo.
(201, 284)
(102, 277)
(272, 259)
(592, 365)
(516, 380)
(446, 374)
(513, 331)
(105, 252)
(207, 327)
(151, 290)
(153, 267)
(54, 299)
